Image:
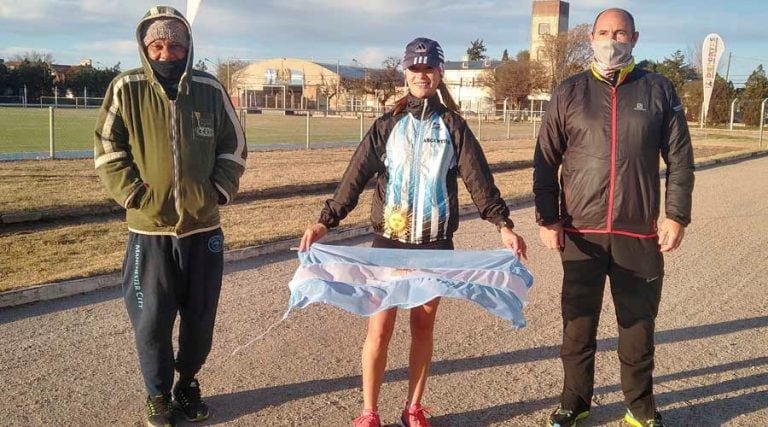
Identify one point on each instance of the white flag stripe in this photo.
(367, 275)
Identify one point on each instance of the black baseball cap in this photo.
(424, 51)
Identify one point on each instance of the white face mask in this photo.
(611, 53)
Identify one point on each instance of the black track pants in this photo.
(164, 276)
(636, 269)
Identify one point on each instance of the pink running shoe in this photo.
(368, 418)
(414, 416)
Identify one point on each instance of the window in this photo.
(544, 28)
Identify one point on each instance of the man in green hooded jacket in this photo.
(170, 150)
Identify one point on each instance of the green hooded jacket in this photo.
(169, 163)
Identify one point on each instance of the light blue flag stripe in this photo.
(365, 281)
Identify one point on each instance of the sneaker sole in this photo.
(629, 419)
(177, 409)
(578, 418)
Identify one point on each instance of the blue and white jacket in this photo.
(416, 156)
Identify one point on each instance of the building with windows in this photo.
(549, 17)
(465, 81)
(300, 84)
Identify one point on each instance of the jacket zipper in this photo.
(614, 147)
(176, 158)
(415, 166)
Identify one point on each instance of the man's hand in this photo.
(552, 236)
(513, 241)
(670, 235)
(313, 233)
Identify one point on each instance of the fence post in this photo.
(762, 121)
(308, 116)
(479, 125)
(52, 143)
(361, 124)
(509, 121)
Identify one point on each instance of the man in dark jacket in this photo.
(604, 131)
(169, 148)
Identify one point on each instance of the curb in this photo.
(67, 288)
(244, 197)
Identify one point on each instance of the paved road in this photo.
(71, 362)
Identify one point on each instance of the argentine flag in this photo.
(365, 281)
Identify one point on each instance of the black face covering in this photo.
(169, 71)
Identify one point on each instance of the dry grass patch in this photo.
(50, 254)
(39, 253)
(65, 185)
(33, 185)
(54, 252)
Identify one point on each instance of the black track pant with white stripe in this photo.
(636, 269)
(165, 276)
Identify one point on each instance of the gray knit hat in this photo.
(165, 28)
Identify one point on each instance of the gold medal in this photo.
(396, 221)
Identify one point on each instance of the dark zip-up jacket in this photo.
(608, 140)
(416, 156)
(169, 162)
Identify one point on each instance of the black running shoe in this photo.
(187, 399)
(159, 411)
(565, 418)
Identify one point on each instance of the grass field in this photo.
(27, 129)
(35, 253)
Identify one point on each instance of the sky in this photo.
(369, 31)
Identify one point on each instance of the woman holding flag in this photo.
(416, 152)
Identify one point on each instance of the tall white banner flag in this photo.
(711, 52)
(192, 7)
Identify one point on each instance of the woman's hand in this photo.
(313, 233)
(513, 241)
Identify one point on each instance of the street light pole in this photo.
(365, 83)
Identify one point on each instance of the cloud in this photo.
(12, 51)
(372, 57)
(122, 46)
(23, 10)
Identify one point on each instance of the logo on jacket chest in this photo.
(204, 125)
(204, 131)
(436, 134)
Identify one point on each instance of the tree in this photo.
(515, 80)
(648, 65)
(719, 106)
(755, 90)
(225, 71)
(381, 83)
(386, 81)
(36, 77)
(200, 65)
(505, 56)
(78, 79)
(4, 79)
(676, 69)
(33, 56)
(476, 50)
(567, 53)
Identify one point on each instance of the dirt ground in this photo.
(72, 361)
